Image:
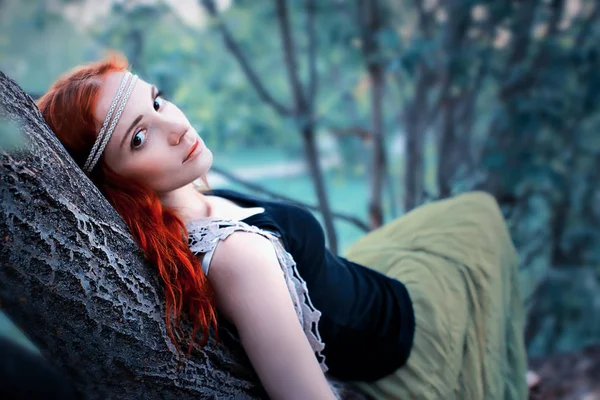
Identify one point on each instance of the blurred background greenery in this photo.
(402, 101)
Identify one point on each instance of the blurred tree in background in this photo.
(507, 91)
(420, 99)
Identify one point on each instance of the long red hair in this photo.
(68, 108)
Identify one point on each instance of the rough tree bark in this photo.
(74, 280)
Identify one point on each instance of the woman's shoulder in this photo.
(205, 233)
(241, 256)
(236, 238)
(243, 246)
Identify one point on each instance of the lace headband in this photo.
(105, 134)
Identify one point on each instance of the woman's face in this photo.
(153, 142)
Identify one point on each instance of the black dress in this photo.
(367, 321)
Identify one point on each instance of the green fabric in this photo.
(460, 267)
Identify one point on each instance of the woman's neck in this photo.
(187, 202)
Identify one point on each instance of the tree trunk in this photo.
(303, 99)
(369, 22)
(448, 160)
(378, 162)
(312, 160)
(73, 279)
(414, 174)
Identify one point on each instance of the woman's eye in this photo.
(138, 139)
(158, 103)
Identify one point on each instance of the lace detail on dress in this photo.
(205, 233)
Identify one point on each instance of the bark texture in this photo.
(74, 280)
(72, 277)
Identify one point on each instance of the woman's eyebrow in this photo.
(133, 124)
(153, 91)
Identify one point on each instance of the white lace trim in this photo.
(205, 233)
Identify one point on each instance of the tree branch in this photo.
(557, 7)
(585, 29)
(289, 51)
(362, 133)
(525, 80)
(459, 19)
(302, 112)
(469, 101)
(522, 42)
(243, 62)
(522, 36)
(261, 189)
(425, 19)
(312, 50)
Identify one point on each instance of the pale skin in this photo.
(151, 144)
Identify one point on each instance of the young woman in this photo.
(427, 306)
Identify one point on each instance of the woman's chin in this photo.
(203, 164)
(205, 161)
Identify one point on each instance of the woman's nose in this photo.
(175, 130)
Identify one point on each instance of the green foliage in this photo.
(532, 126)
(31, 35)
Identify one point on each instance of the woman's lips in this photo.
(195, 149)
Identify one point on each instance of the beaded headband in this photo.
(105, 133)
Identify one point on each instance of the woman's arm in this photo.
(252, 292)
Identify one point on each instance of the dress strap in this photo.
(205, 234)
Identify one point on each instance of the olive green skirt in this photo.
(459, 265)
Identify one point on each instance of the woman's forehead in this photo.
(108, 90)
